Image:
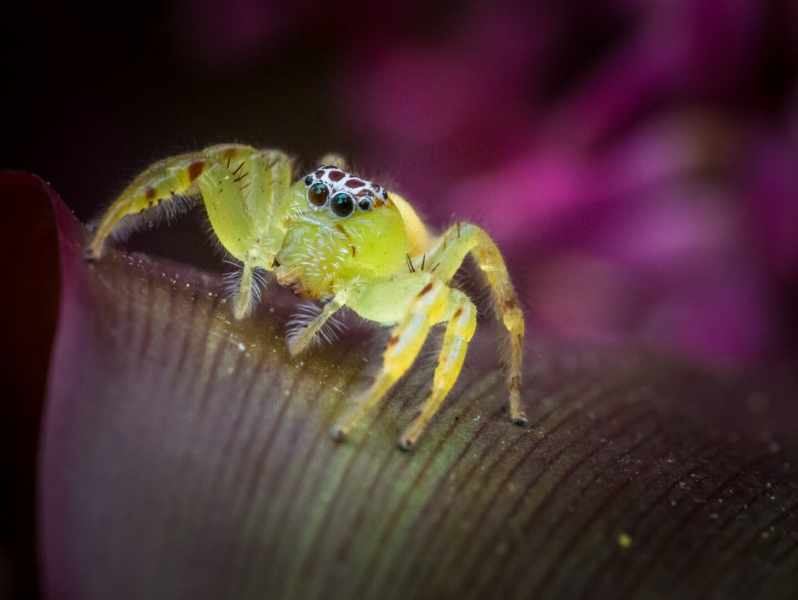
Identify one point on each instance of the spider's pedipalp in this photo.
(308, 326)
(299, 321)
(242, 287)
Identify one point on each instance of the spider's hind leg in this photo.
(454, 244)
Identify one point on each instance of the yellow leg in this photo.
(243, 215)
(262, 176)
(239, 184)
(447, 257)
(406, 340)
(163, 182)
(455, 343)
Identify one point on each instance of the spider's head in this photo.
(343, 194)
(339, 227)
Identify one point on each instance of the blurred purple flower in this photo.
(641, 200)
(225, 33)
(635, 159)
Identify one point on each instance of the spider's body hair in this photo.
(163, 213)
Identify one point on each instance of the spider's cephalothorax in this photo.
(346, 241)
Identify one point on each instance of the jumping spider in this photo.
(338, 238)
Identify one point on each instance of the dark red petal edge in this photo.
(28, 313)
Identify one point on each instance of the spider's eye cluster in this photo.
(322, 193)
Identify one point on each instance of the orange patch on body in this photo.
(340, 228)
(425, 290)
(195, 169)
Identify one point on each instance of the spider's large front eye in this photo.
(317, 194)
(342, 205)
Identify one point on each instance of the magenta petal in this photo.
(185, 456)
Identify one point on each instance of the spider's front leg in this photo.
(433, 302)
(459, 332)
(239, 186)
(445, 259)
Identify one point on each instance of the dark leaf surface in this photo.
(186, 456)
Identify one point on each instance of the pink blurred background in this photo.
(636, 160)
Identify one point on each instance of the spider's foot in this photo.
(94, 251)
(338, 433)
(410, 435)
(90, 255)
(517, 413)
(406, 443)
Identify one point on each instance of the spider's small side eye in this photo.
(308, 180)
(364, 204)
(385, 195)
(342, 205)
(317, 194)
